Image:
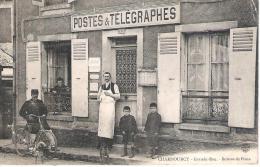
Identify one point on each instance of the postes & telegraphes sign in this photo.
(123, 19)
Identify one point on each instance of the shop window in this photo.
(206, 97)
(58, 77)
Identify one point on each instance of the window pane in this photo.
(197, 47)
(219, 60)
(196, 77)
(58, 67)
(219, 48)
(220, 77)
(197, 52)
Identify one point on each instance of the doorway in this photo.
(122, 55)
(124, 70)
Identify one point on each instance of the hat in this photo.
(60, 79)
(34, 91)
(153, 105)
(126, 108)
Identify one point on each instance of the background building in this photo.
(6, 63)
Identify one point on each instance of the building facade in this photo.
(6, 63)
(195, 58)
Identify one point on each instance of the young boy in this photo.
(152, 128)
(128, 129)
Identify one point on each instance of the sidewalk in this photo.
(180, 152)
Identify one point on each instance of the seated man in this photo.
(60, 91)
(36, 107)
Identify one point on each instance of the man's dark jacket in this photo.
(35, 107)
(128, 124)
(153, 123)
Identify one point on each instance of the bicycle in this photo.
(45, 141)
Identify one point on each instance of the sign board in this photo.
(147, 77)
(94, 76)
(122, 19)
(94, 64)
(93, 87)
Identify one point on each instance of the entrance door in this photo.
(125, 74)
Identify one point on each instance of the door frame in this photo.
(107, 61)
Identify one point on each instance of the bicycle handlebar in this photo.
(37, 116)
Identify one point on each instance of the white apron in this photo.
(106, 121)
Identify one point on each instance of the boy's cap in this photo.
(126, 108)
(153, 105)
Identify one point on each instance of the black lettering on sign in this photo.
(153, 14)
(127, 17)
(165, 12)
(95, 21)
(100, 20)
(140, 16)
(80, 22)
(90, 20)
(133, 17)
(117, 22)
(159, 14)
(173, 13)
(146, 16)
(121, 15)
(75, 22)
(85, 22)
(112, 18)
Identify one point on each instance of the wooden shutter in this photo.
(33, 68)
(79, 65)
(242, 70)
(169, 77)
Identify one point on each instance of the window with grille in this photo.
(206, 97)
(58, 66)
(126, 69)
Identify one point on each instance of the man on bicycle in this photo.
(34, 106)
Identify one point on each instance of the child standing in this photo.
(128, 129)
(152, 128)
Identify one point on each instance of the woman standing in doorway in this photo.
(107, 95)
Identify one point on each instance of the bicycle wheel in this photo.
(53, 144)
(46, 144)
(21, 142)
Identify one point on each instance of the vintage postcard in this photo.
(129, 82)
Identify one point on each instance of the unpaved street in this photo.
(13, 159)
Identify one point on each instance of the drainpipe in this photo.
(14, 63)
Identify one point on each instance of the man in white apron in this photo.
(107, 95)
